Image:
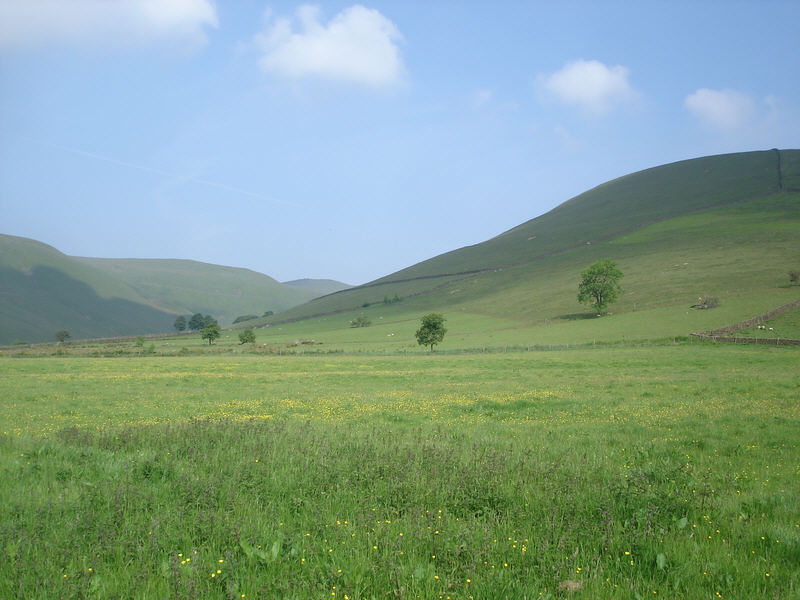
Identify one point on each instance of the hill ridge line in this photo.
(556, 251)
(471, 273)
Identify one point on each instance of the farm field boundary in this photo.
(757, 320)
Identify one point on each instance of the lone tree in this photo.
(62, 335)
(247, 337)
(180, 323)
(360, 321)
(210, 332)
(599, 284)
(432, 330)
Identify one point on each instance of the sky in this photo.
(348, 141)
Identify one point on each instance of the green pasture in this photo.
(652, 471)
(786, 325)
(393, 327)
(716, 226)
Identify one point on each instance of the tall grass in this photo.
(625, 473)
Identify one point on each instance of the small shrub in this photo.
(247, 337)
(241, 318)
(794, 277)
(360, 321)
(140, 341)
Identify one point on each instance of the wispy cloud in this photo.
(357, 45)
(106, 22)
(481, 97)
(173, 177)
(590, 85)
(725, 110)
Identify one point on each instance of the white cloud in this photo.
(725, 110)
(357, 45)
(590, 85)
(109, 22)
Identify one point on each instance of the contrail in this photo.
(130, 165)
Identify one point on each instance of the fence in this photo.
(742, 340)
(752, 322)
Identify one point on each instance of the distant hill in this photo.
(320, 287)
(43, 290)
(187, 286)
(727, 225)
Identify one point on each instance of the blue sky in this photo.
(347, 141)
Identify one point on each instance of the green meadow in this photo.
(636, 471)
(539, 452)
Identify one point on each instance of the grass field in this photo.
(659, 471)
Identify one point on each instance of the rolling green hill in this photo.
(727, 226)
(320, 287)
(43, 291)
(187, 286)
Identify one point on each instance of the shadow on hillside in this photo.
(38, 302)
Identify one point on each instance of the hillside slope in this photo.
(320, 287)
(43, 291)
(727, 225)
(187, 287)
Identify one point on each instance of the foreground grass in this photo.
(671, 471)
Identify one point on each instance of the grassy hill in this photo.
(43, 291)
(320, 287)
(187, 287)
(727, 226)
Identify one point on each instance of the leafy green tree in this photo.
(247, 337)
(360, 321)
(599, 284)
(432, 330)
(197, 322)
(210, 332)
(62, 335)
(268, 313)
(180, 323)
